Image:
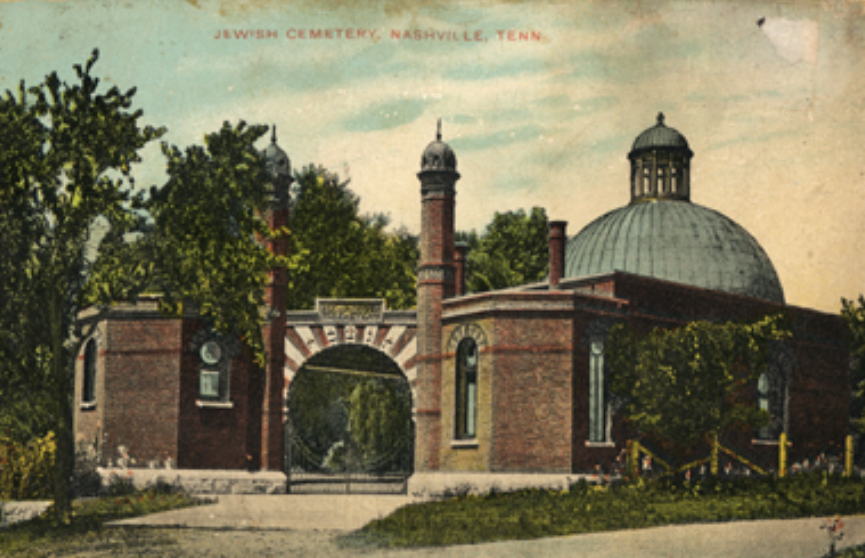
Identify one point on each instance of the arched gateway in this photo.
(348, 364)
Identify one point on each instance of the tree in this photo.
(380, 423)
(206, 244)
(67, 154)
(513, 250)
(344, 253)
(683, 384)
(854, 314)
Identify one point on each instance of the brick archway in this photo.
(351, 321)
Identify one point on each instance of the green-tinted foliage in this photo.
(206, 246)
(27, 470)
(65, 155)
(854, 314)
(86, 527)
(680, 385)
(380, 423)
(586, 508)
(350, 408)
(345, 254)
(513, 250)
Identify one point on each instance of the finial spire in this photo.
(273, 135)
(660, 118)
(439, 130)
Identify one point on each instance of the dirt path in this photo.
(800, 538)
(125, 542)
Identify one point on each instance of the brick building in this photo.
(510, 381)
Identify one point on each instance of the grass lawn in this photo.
(585, 508)
(42, 537)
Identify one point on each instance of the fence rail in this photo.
(640, 459)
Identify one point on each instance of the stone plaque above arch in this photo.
(350, 310)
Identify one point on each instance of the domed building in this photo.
(502, 383)
(661, 234)
(515, 381)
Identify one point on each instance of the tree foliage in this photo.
(344, 418)
(513, 250)
(207, 244)
(380, 423)
(344, 253)
(853, 313)
(680, 385)
(65, 160)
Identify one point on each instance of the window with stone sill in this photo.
(214, 367)
(602, 403)
(598, 419)
(88, 389)
(466, 390)
(772, 391)
(212, 385)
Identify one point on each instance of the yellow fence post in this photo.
(782, 455)
(713, 462)
(848, 456)
(634, 458)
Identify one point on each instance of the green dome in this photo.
(675, 241)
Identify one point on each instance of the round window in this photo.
(211, 352)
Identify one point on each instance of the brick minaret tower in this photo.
(438, 176)
(279, 168)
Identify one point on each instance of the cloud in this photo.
(385, 116)
(494, 69)
(498, 139)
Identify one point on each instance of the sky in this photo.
(540, 101)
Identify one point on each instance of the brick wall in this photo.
(88, 419)
(217, 437)
(532, 382)
(142, 362)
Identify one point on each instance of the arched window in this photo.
(88, 392)
(467, 389)
(772, 391)
(597, 395)
(764, 432)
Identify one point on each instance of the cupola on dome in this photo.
(276, 160)
(661, 234)
(660, 136)
(438, 155)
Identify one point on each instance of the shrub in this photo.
(120, 486)
(27, 470)
(639, 503)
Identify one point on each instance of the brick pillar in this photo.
(438, 177)
(272, 441)
(557, 252)
(462, 250)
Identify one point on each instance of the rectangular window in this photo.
(597, 403)
(466, 390)
(209, 384)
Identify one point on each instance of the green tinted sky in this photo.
(774, 113)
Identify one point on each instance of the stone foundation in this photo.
(196, 481)
(439, 485)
